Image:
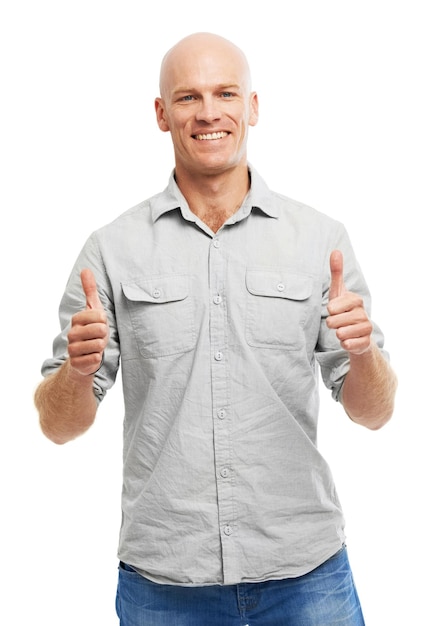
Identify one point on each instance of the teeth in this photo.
(210, 136)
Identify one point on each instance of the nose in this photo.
(208, 110)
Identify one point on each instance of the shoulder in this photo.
(305, 219)
(288, 209)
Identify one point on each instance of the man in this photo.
(223, 301)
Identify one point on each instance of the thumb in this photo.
(337, 287)
(90, 290)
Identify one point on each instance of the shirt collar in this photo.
(259, 197)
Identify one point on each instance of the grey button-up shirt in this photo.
(221, 339)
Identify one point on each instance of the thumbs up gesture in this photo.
(88, 335)
(347, 314)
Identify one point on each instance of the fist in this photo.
(88, 335)
(347, 315)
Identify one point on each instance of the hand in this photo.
(88, 335)
(346, 311)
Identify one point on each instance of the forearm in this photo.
(66, 404)
(369, 389)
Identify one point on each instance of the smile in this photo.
(210, 136)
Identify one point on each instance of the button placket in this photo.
(220, 397)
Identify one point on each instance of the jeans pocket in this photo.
(126, 568)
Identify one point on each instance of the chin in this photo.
(217, 162)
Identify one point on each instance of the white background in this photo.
(348, 124)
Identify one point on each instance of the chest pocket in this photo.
(278, 306)
(162, 314)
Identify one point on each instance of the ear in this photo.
(161, 115)
(253, 109)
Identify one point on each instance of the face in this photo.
(206, 104)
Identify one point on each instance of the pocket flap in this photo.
(158, 289)
(278, 284)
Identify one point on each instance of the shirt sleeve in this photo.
(334, 362)
(72, 302)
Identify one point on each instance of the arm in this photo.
(369, 388)
(65, 400)
(66, 404)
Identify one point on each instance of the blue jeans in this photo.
(324, 597)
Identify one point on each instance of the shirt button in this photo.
(217, 299)
(221, 414)
(218, 356)
(225, 472)
(228, 530)
(156, 293)
(216, 243)
(280, 287)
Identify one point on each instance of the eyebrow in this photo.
(221, 87)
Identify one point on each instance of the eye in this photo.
(187, 98)
(227, 94)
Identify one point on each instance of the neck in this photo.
(214, 198)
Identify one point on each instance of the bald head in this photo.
(207, 105)
(198, 50)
